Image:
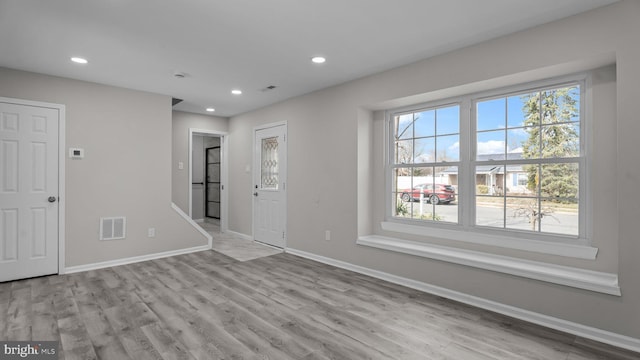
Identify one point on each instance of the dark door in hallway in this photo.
(212, 189)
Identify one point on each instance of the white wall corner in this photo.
(195, 225)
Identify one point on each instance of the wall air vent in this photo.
(113, 228)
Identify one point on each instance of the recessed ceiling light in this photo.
(318, 59)
(211, 109)
(79, 60)
(236, 92)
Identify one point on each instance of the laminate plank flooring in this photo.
(208, 305)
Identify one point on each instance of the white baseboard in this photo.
(240, 235)
(134, 259)
(584, 331)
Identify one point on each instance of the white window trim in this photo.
(466, 230)
(602, 282)
(509, 242)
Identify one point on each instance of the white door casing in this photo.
(29, 190)
(269, 190)
(224, 198)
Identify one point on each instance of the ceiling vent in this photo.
(268, 88)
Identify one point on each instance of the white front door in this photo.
(269, 203)
(28, 191)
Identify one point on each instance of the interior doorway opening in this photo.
(207, 177)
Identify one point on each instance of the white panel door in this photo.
(28, 191)
(269, 207)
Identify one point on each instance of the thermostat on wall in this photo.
(76, 153)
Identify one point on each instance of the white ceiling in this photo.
(250, 44)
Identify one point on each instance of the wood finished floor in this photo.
(209, 306)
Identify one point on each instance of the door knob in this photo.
(255, 193)
(51, 199)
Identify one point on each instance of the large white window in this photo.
(508, 162)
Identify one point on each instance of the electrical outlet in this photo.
(327, 235)
(151, 232)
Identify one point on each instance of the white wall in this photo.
(126, 170)
(197, 176)
(335, 169)
(197, 158)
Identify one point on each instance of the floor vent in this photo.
(112, 228)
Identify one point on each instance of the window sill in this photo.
(596, 281)
(544, 247)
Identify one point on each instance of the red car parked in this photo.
(443, 194)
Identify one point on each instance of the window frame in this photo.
(434, 105)
(465, 229)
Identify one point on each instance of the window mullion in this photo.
(466, 178)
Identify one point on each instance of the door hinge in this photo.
(283, 235)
